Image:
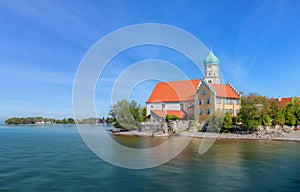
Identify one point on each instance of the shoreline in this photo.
(293, 136)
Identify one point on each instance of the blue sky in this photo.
(43, 42)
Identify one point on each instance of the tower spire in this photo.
(211, 64)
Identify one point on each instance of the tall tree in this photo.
(227, 123)
(126, 115)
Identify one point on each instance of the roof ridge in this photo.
(179, 81)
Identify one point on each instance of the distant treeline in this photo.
(42, 120)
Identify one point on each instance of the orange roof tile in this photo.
(174, 91)
(284, 101)
(161, 113)
(223, 90)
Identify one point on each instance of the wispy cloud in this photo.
(253, 39)
(72, 25)
(21, 70)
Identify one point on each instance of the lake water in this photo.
(55, 158)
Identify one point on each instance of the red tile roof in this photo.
(284, 101)
(223, 90)
(175, 91)
(161, 113)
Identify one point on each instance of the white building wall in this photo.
(158, 106)
(153, 106)
(172, 106)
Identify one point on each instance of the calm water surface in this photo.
(54, 158)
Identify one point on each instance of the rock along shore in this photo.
(292, 136)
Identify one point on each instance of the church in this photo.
(194, 99)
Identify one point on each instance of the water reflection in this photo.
(56, 159)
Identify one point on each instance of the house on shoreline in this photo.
(194, 99)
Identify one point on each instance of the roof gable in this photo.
(224, 90)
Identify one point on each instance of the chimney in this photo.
(279, 99)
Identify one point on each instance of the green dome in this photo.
(211, 59)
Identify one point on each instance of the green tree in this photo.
(227, 123)
(172, 117)
(255, 111)
(274, 110)
(279, 117)
(296, 104)
(71, 121)
(135, 110)
(126, 115)
(290, 118)
(144, 114)
(266, 119)
(215, 122)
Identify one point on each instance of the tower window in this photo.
(207, 111)
(200, 102)
(200, 112)
(203, 92)
(207, 101)
(208, 74)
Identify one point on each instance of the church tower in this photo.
(211, 66)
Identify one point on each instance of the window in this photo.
(230, 111)
(209, 81)
(237, 111)
(237, 101)
(219, 100)
(229, 101)
(200, 112)
(219, 109)
(207, 101)
(203, 92)
(207, 111)
(208, 74)
(200, 102)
